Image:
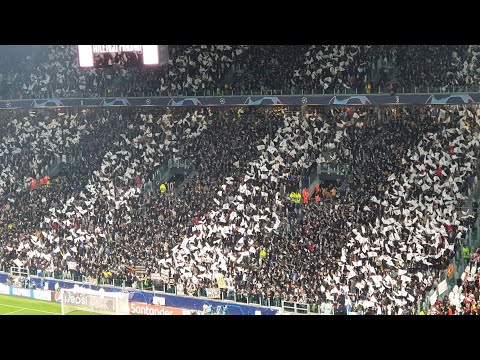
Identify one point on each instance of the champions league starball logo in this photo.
(148, 101)
(304, 100)
(8, 104)
(222, 101)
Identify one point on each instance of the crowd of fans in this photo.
(213, 69)
(429, 66)
(464, 297)
(377, 245)
(190, 68)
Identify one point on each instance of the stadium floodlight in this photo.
(101, 301)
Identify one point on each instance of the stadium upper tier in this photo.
(218, 69)
(380, 240)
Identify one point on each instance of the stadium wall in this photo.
(45, 295)
(147, 297)
(136, 308)
(338, 100)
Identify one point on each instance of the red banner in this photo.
(146, 309)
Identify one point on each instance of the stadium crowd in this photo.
(212, 69)
(378, 244)
(190, 68)
(435, 66)
(464, 297)
(375, 243)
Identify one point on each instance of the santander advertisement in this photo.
(146, 309)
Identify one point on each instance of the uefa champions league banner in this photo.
(339, 100)
(173, 301)
(193, 303)
(28, 293)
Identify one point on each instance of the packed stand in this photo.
(377, 245)
(334, 67)
(268, 67)
(439, 66)
(189, 69)
(388, 264)
(46, 215)
(199, 69)
(463, 299)
(467, 65)
(297, 67)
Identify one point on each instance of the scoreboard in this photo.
(93, 56)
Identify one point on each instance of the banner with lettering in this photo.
(213, 293)
(221, 282)
(259, 100)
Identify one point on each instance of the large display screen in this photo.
(126, 55)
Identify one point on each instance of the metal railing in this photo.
(332, 168)
(325, 308)
(459, 266)
(179, 163)
(447, 89)
(167, 288)
(472, 242)
(288, 307)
